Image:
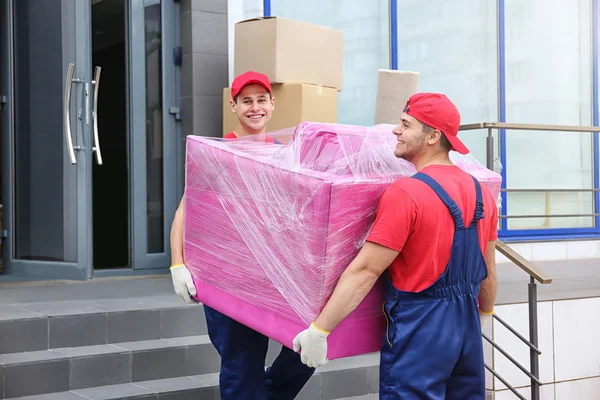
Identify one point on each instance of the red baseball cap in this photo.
(249, 78)
(437, 111)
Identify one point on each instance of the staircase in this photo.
(116, 340)
(133, 338)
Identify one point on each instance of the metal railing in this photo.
(535, 274)
(492, 126)
(490, 152)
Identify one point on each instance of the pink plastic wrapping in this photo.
(269, 228)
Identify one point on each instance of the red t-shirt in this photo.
(231, 135)
(413, 220)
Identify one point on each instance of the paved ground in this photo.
(571, 279)
(128, 288)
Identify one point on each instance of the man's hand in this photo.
(484, 318)
(183, 283)
(312, 344)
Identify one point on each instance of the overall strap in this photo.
(443, 195)
(478, 203)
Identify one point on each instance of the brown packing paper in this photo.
(393, 90)
(294, 103)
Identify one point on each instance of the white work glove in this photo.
(484, 318)
(312, 344)
(183, 283)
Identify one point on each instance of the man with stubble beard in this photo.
(433, 242)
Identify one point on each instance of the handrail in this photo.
(511, 359)
(550, 190)
(528, 127)
(517, 334)
(522, 263)
(508, 385)
(534, 352)
(490, 156)
(549, 216)
(491, 126)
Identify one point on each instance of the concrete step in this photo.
(85, 323)
(327, 383)
(82, 367)
(113, 339)
(116, 340)
(200, 387)
(79, 368)
(374, 396)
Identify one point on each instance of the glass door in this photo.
(49, 147)
(154, 116)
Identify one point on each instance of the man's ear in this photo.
(273, 102)
(434, 137)
(233, 106)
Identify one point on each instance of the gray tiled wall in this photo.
(204, 71)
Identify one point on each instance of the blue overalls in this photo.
(432, 348)
(243, 352)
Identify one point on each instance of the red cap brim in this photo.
(457, 145)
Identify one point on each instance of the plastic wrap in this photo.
(269, 228)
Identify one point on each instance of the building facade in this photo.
(89, 130)
(514, 61)
(97, 97)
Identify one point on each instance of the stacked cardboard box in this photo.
(393, 90)
(304, 63)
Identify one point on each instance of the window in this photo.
(453, 47)
(366, 47)
(549, 81)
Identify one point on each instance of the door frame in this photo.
(143, 262)
(76, 36)
(140, 261)
(6, 126)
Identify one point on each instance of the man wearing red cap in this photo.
(253, 103)
(433, 241)
(242, 350)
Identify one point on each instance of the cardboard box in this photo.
(294, 103)
(393, 90)
(289, 51)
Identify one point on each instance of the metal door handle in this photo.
(67, 114)
(96, 147)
